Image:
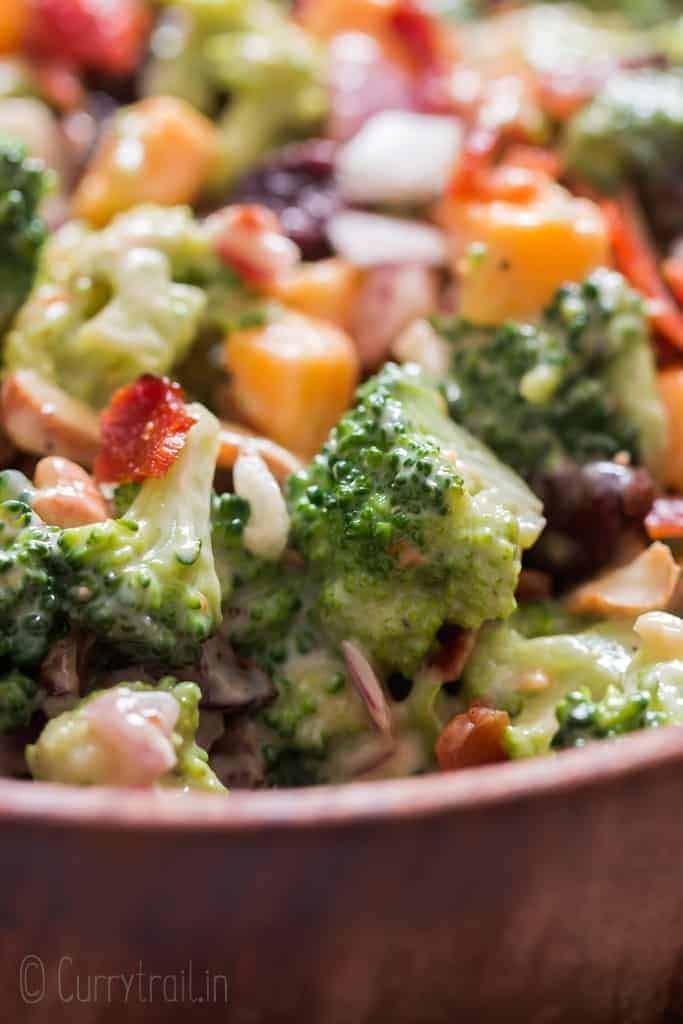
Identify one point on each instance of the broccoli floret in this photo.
(270, 68)
(30, 603)
(579, 385)
(22, 232)
(529, 677)
(633, 127)
(130, 299)
(407, 523)
(272, 621)
(19, 698)
(582, 719)
(147, 582)
(69, 749)
(192, 766)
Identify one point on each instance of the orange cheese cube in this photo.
(292, 379)
(13, 24)
(511, 256)
(325, 289)
(160, 150)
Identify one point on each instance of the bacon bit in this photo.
(429, 49)
(472, 738)
(249, 239)
(672, 270)
(665, 520)
(362, 675)
(143, 431)
(420, 33)
(89, 34)
(407, 556)
(59, 82)
(635, 257)
(473, 168)
(456, 645)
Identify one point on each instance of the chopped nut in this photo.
(236, 440)
(472, 738)
(662, 634)
(43, 419)
(646, 584)
(66, 495)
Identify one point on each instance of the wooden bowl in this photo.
(541, 891)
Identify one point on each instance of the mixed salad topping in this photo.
(342, 385)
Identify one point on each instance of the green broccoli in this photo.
(30, 602)
(271, 619)
(130, 299)
(270, 68)
(578, 385)
(582, 719)
(69, 749)
(147, 583)
(633, 127)
(407, 523)
(22, 232)
(19, 698)
(528, 677)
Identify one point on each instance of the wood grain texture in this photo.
(547, 892)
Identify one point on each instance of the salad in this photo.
(342, 385)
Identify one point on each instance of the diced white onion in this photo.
(368, 239)
(399, 157)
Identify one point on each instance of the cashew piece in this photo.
(43, 419)
(66, 495)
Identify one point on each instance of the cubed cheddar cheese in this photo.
(292, 379)
(511, 256)
(160, 150)
(325, 289)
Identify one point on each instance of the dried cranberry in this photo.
(298, 183)
(588, 509)
(662, 196)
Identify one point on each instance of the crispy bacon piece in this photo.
(472, 738)
(474, 167)
(143, 430)
(90, 34)
(429, 49)
(672, 269)
(249, 238)
(635, 257)
(665, 520)
(420, 33)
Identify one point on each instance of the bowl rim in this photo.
(47, 805)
